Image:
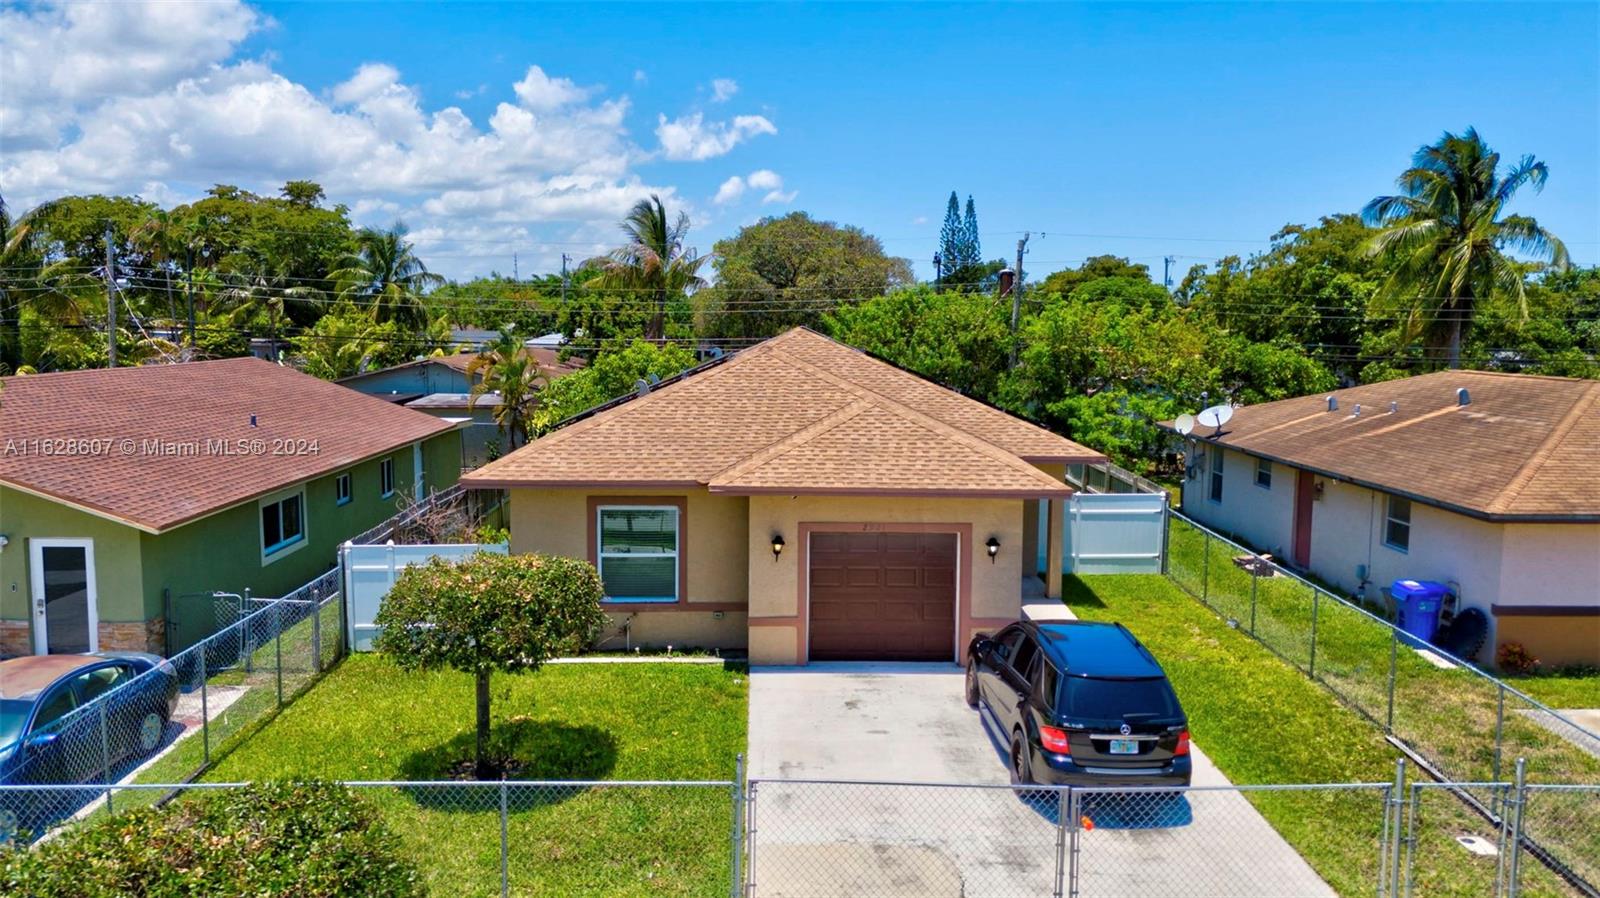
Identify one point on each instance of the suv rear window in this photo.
(1115, 699)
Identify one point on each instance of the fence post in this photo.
(246, 654)
(316, 636)
(505, 843)
(738, 823)
(1518, 800)
(1063, 812)
(1397, 797)
(1394, 651)
(750, 839)
(1255, 578)
(105, 757)
(1205, 566)
(1499, 725)
(1411, 838)
(205, 714)
(277, 648)
(1316, 603)
(1075, 817)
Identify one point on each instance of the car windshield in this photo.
(1119, 699)
(13, 714)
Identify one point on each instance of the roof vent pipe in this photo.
(641, 386)
(1463, 397)
(1394, 407)
(1333, 403)
(1357, 412)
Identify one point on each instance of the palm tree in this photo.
(1447, 238)
(252, 296)
(511, 371)
(385, 272)
(654, 261)
(161, 238)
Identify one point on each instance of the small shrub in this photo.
(1514, 658)
(306, 840)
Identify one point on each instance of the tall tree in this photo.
(653, 262)
(782, 272)
(511, 372)
(1447, 236)
(971, 249)
(950, 235)
(385, 273)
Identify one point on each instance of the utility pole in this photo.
(188, 266)
(1166, 271)
(565, 280)
(515, 276)
(111, 301)
(1016, 296)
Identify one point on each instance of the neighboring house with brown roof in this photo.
(439, 386)
(129, 495)
(1485, 481)
(800, 499)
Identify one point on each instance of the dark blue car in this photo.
(1080, 703)
(70, 719)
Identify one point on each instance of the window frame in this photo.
(386, 477)
(343, 491)
(1214, 469)
(282, 547)
(599, 555)
(1391, 520)
(1264, 466)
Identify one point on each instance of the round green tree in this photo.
(508, 613)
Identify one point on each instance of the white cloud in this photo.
(731, 189)
(541, 93)
(157, 99)
(640, 77)
(722, 89)
(762, 179)
(691, 137)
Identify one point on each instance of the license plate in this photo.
(1124, 746)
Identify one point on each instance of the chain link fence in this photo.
(812, 838)
(166, 724)
(1467, 725)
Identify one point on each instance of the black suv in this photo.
(1082, 703)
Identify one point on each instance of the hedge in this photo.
(308, 840)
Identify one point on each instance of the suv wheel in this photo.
(1021, 772)
(972, 684)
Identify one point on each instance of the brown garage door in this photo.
(883, 596)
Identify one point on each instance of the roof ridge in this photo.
(793, 441)
(929, 422)
(978, 405)
(1558, 434)
(583, 426)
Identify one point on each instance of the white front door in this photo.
(65, 616)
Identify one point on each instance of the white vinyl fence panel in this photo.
(369, 572)
(1115, 533)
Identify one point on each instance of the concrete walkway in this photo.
(895, 725)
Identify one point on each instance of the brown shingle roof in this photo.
(797, 413)
(187, 404)
(1524, 447)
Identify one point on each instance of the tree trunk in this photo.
(10, 331)
(484, 769)
(1453, 348)
(658, 321)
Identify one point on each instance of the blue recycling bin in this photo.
(1418, 602)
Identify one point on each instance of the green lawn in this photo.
(367, 720)
(1563, 689)
(1262, 721)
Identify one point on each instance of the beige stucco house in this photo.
(800, 499)
(1487, 482)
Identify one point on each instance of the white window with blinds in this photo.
(638, 552)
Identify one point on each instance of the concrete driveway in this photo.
(888, 726)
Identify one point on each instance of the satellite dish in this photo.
(1215, 416)
(1184, 424)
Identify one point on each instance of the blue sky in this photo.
(1141, 130)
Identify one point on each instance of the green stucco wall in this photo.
(138, 573)
(116, 555)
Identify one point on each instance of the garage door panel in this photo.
(882, 595)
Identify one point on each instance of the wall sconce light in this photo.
(777, 545)
(994, 548)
